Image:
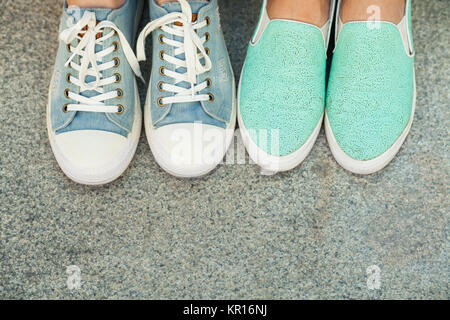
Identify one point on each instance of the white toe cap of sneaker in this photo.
(189, 149)
(90, 155)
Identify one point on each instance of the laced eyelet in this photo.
(160, 38)
(116, 45)
(208, 21)
(207, 36)
(120, 109)
(208, 82)
(211, 97)
(160, 103)
(66, 93)
(64, 108)
(68, 47)
(160, 86)
(118, 77)
(207, 51)
(116, 62)
(161, 54)
(161, 70)
(119, 93)
(68, 77)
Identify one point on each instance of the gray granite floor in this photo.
(309, 233)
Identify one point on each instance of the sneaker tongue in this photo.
(76, 13)
(176, 7)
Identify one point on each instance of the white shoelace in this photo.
(89, 63)
(192, 47)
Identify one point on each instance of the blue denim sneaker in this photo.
(190, 107)
(93, 114)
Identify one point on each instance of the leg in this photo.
(113, 4)
(358, 10)
(160, 2)
(314, 12)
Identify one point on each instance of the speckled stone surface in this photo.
(309, 233)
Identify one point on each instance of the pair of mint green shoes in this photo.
(367, 107)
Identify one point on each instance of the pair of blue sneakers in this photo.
(94, 115)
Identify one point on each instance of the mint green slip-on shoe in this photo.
(281, 98)
(371, 93)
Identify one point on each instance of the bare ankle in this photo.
(160, 2)
(378, 10)
(314, 12)
(112, 4)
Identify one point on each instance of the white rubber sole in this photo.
(269, 163)
(373, 165)
(164, 161)
(112, 170)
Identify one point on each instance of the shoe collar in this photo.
(404, 27)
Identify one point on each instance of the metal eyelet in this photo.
(208, 82)
(160, 103)
(118, 77)
(116, 61)
(207, 36)
(68, 77)
(66, 93)
(208, 21)
(64, 108)
(160, 86)
(207, 51)
(161, 54)
(116, 45)
(120, 109)
(119, 93)
(211, 97)
(161, 70)
(160, 38)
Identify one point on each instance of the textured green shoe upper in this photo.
(371, 87)
(283, 85)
